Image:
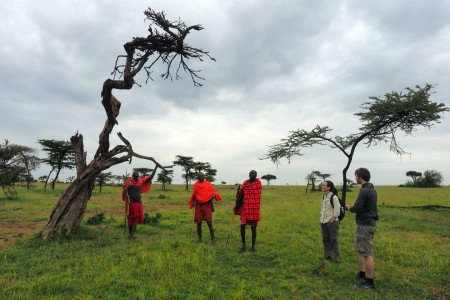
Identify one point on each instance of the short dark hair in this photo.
(363, 173)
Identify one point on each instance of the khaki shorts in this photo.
(363, 239)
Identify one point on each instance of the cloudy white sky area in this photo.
(281, 66)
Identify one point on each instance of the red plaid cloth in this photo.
(252, 199)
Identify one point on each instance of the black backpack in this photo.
(342, 210)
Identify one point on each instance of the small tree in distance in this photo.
(103, 178)
(324, 176)
(164, 177)
(60, 155)
(430, 179)
(187, 164)
(311, 180)
(269, 177)
(414, 175)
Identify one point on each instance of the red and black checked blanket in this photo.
(252, 199)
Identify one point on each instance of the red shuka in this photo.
(135, 209)
(251, 191)
(202, 192)
(145, 186)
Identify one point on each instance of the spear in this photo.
(193, 219)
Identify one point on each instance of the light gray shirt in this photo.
(327, 212)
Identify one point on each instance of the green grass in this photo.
(98, 262)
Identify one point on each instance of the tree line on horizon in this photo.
(18, 161)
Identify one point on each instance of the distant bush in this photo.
(430, 178)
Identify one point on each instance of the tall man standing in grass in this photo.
(131, 194)
(365, 208)
(203, 193)
(248, 205)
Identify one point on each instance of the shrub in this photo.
(97, 219)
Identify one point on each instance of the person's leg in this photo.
(211, 230)
(333, 230)
(243, 237)
(365, 258)
(133, 230)
(362, 264)
(325, 240)
(253, 227)
(370, 267)
(199, 230)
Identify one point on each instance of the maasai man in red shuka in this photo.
(248, 203)
(203, 193)
(131, 194)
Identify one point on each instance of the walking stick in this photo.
(127, 210)
(193, 219)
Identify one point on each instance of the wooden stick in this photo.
(192, 225)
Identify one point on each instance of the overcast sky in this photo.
(281, 66)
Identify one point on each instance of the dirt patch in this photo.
(13, 229)
(429, 207)
(433, 207)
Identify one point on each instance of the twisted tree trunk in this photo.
(167, 43)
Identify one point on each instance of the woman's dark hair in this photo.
(363, 173)
(330, 184)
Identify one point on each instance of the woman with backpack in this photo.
(329, 221)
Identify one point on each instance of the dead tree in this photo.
(165, 44)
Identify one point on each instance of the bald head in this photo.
(252, 175)
(200, 176)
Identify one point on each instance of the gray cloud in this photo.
(281, 65)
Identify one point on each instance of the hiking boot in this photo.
(360, 279)
(365, 286)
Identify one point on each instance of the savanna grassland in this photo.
(411, 249)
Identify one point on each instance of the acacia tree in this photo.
(60, 155)
(268, 178)
(381, 120)
(187, 164)
(324, 176)
(164, 177)
(165, 43)
(206, 168)
(311, 180)
(103, 178)
(414, 175)
(30, 162)
(17, 161)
